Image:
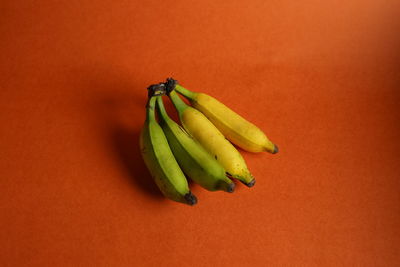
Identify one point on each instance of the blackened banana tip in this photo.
(190, 199)
(251, 183)
(276, 149)
(230, 188)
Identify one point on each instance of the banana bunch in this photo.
(202, 149)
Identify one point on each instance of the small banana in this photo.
(160, 161)
(198, 126)
(234, 127)
(194, 160)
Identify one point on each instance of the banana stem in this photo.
(161, 108)
(185, 92)
(151, 103)
(178, 102)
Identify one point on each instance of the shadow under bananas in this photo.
(125, 142)
(118, 112)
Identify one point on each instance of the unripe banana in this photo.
(198, 126)
(161, 162)
(194, 160)
(235, 128)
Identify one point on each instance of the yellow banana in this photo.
(161, 162)
(235, 128)
(197, 125)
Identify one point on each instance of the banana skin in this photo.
(235, 128)
(160, 161)
(194, 160)
(201, 129)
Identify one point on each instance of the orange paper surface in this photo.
(321, 78)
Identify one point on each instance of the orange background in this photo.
(320, 77)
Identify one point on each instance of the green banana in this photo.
(160, 161)
(194, 160)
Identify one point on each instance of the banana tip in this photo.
(230, 188)
(190, 199)
(276, 149)
(251, 183)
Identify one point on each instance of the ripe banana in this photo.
(234, 127)
(198, 126)
(161, 162)
(194, 160)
